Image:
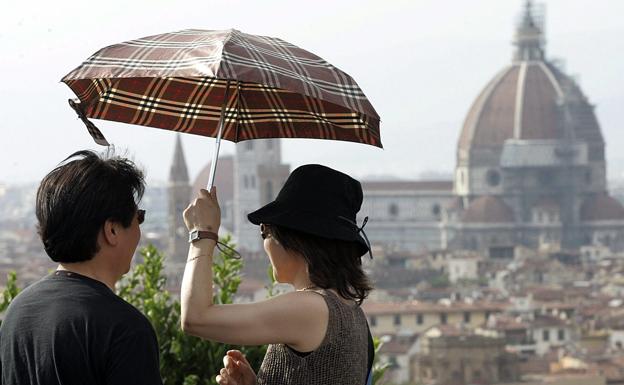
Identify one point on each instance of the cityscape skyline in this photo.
(436, 80)
(503, 265)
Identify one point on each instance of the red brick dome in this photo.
(488, 209)
(531, 99)
(601, 207)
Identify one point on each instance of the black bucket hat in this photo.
(320, 201)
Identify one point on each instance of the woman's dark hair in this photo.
(76, 198)
(332, 264)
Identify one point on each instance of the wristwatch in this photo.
(196, 235)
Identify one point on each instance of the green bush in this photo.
(379, 369)
(10, 291)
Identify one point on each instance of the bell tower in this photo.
(258, 176)
(179, 195)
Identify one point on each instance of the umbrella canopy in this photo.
(186, 81)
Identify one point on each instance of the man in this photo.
(70, 327)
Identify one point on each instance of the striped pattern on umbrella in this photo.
(177, 81)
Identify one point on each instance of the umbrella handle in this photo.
(215, 155)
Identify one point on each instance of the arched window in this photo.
(393, 210)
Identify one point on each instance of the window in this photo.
(393, 210)
(545, 335)
(435, 209)
(546, 177)
(249, 145)
(561, 334)
(467, 317)
(245, 181)
(493, 178)
(443, 318)
(269, 191)
(253, 181)
(420, 319)
(397, 320)
(373, 321)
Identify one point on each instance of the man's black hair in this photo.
(75, 200)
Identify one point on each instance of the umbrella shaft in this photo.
(215, 155)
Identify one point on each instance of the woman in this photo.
(317, 334)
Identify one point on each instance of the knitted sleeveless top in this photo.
(340, 359)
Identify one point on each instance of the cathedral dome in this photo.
(224, 179)
(531, 99)
(488, 209)
(601, 207)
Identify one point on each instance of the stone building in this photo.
(531, 164)
(258, 177)
(245, 182)
(405, 215)
(530, 170)
(451, 355)
(417, 317)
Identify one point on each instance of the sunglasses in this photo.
(141, 216)
(264, 231)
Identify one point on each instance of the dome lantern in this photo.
(529, 39)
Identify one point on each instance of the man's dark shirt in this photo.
(69, 329)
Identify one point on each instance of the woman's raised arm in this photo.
(298, 319)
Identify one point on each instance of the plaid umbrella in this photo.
(225, 84)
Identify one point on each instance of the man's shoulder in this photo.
(79, 299)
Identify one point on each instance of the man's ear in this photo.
(110, 231)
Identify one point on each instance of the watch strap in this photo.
(196, 235)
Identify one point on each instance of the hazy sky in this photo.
(421, 63)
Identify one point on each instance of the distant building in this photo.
(258, 176)
(451, 355)
(399, 352)
(245, 182)
(405, 215)
(531, 167)
(179, 194)
(463, 268)
(416, 317)
(530, 170)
